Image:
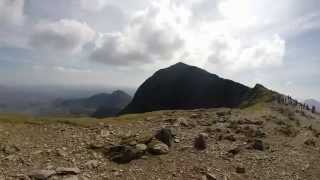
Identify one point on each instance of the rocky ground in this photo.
(275, 142)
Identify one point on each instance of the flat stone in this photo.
(41, 174)
(68, 171)
(158, 148)
(141, 147)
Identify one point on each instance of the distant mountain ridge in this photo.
(182, 86)
(114, 102)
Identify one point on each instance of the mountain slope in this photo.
(111, 103)
(186, 87)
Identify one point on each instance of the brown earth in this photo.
(258, 143)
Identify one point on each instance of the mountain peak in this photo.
(180, 64)
(259, 86)
(183, 69)
(182, 86)
(118, 92)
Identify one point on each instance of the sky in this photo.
(118, 43)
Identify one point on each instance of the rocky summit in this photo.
(265, 141)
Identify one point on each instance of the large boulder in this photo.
(166, 135)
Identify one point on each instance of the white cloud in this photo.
(62, 36)
(71, 69)
(168, 31)
(230, 54)
(149, 37)
(11, 12)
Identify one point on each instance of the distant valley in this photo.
(60, 102)
(99, 105)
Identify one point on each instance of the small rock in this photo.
(41, 174)
(95, 146)
(9, 149)
(230, 137)
(210, 176)
(158, 148)
(104, 133)
(166, 135)
(194, 116)
(123, 153)
(141, 147)
(259, 145)
(310, 142)
(19, 176)
(200, 142)
(68, 171)
(240, 170)
(37, 152)
(92, 164)
(11, 157)
(234, 151)
(183, 122)
(149, 118)
(117, 173)
(177, 140)
(62, 153)
(260, 134)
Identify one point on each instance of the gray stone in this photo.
(183, 122)
(92, 164)
(200, 142)
(158, 148)
(68, 171)
(141, 147)
(166, 135)
(41, 174)
(259, 145)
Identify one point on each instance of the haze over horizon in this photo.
(118, 43)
